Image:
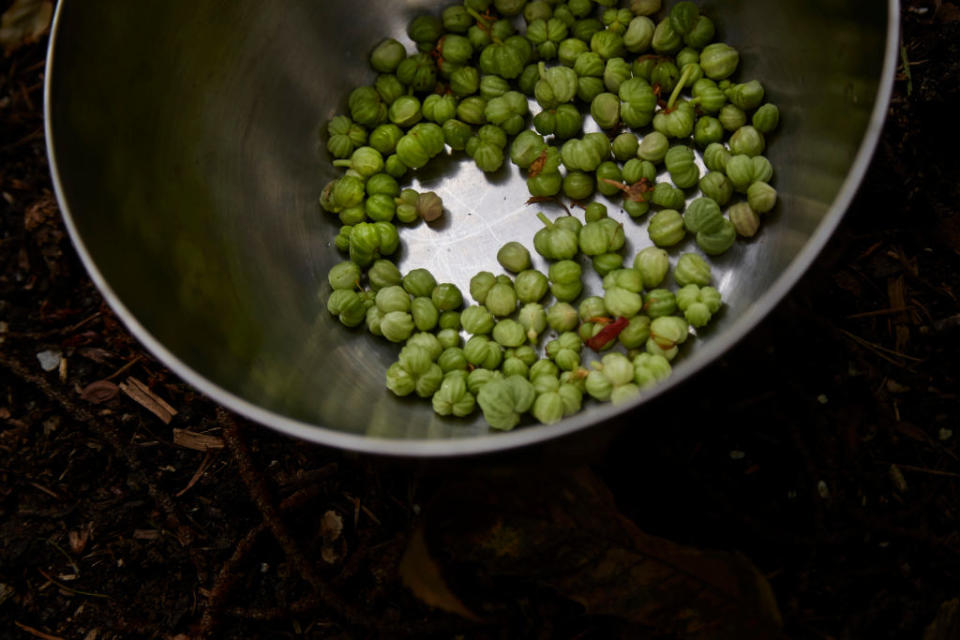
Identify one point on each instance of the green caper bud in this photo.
(653, 147)
(384, 273)
(703, 214)
(501, 300)
(425, 314)
(397, 326)
(514, 257)
(650, 369)
(387, 55)
(419, 282)
(717, 187)
(652, 264)
(344, 275)
(766, 118)
(509, 333)
(531, 286)
(717, 241)
(692, 269)
(745, 220)
(719, 60)
(747, 141)
(562, 316)
(761, 197)
(477, 319)
(666, 228)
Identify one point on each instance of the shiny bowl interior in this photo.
(186, 144)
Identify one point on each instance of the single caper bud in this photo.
(653, 147)
(504, 400)
(595, 210)
(501, 300)
(514, 257)
(761, 197)
(666, 228)
(562, 316)
(590, 308)
(668, 332)
(745, 220)
(717, 241)
(622, 303)
(707, 131)
(747, 141)
(624, 393)
(548, 408)
(606, 262)
(419, 282)
(345, 275)
(452, 359)
(392, 298)
(766, 118)
(387, 55)
(425, 314)
(533, 319)
(652, 264)
(479, 377)
(509, 333)
(396, 326)
(703, 214)
(717, 187)
(719, 60)
(716, 157)
(732, 117)
(684, 172)
(625, 146)
(531, 286)
(650, 369)
(636, 333)
(692, 269)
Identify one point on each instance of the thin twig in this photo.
(229, 572)
(880, 312)
(36, 633)
(71, 590)
(932, 472)
(264, 501)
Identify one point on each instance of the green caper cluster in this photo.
(661, 91)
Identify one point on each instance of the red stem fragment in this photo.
(608, 334)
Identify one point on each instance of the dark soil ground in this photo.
(823, 449)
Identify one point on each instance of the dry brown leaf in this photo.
(24, 22)
(99, 391)
(196, 441)
(422, 576)
(569, 537)
(946, 626)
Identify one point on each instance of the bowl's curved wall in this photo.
(185, 143)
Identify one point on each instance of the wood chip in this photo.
(146, 534)
(142, 395)
(196, 441)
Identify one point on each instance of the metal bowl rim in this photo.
(476, 445)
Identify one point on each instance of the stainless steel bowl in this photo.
(185, 143)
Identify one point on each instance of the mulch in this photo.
(820, 454)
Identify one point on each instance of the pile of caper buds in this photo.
(661, 92)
